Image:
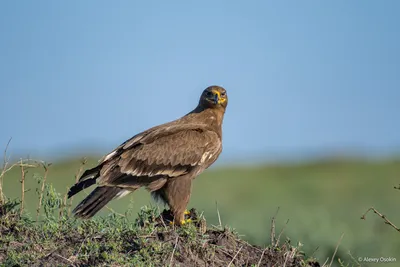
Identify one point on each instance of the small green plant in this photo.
(55, 238)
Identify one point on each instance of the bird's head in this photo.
(214, 97)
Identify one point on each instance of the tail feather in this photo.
(76, 188)
(99, 197)
(87, 179)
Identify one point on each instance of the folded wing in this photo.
(150, 158)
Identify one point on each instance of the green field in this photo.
(321, 200)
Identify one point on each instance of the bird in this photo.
(164, 159)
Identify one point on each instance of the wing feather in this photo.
(169, 151)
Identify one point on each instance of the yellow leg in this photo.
(186, 221)
(182, 222)
(186, 212)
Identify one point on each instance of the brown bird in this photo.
(163, 159)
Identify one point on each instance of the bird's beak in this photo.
(216, 98)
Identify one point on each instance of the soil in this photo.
(206, 247)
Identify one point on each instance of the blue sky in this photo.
(302, 76)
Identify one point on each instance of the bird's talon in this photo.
(186, 221)
(182, 222)
(186, 212)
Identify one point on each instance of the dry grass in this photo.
(152, 241)
(55, 238)
(384, 218)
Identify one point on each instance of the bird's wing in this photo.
(168, 151)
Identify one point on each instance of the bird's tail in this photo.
(99, 197)
(87, 179)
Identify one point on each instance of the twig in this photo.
(273, 227)
(161, 217)
(66, 197)
(6, 169)
(286, 258)
(324, 264)
(173, 251)
(77, 176)
(5, 162)
(273, 231)
(64, 204)
(19, 164)
(61, 257)
(80, 248)
(281, 232)
(353, 259)
(315, 250)
(219, 217)
(382, 216)
(113, 211)
(237, 253)
(225, 252)
(42, 191)
(22, 189)
(262, 255)
(337, 246)
(5, 151)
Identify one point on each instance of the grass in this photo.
(318, 201)
(55, 238)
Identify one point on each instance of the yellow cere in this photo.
(220, 100)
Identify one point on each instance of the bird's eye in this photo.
(208, 93)
(223, 94)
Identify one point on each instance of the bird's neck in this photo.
(211, 116)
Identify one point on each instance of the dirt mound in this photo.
(150, 241)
